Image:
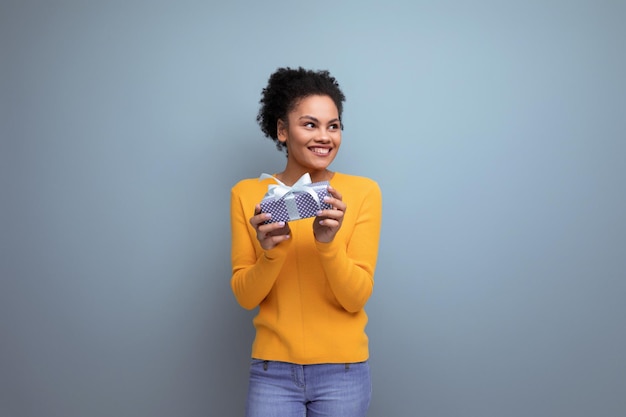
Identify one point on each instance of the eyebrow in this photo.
(316, 120)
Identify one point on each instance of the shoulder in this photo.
(347, 183)
(247, 184)
(250, 189)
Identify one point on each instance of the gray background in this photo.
(496, 130)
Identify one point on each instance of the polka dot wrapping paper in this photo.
(296, 205)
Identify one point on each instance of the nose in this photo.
(324, 135)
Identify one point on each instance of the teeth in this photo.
(321, 151)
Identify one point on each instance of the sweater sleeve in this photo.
(350, 267)
(253, 275)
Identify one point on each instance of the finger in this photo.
(270, 229)
(285, 230)
(259, 219)
(278, 239)
(331, 214)
(258, 216)
(336, 194)
(335, 212)
(271, 242)
(337, 203)
(330, 223)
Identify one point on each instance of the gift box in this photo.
(300, 201)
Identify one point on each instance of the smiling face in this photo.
(312, 135)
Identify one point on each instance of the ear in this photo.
(281, 130)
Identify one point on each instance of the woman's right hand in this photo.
(271, 234)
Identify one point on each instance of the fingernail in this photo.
(268, 215)
(318, 213)
(281, 223)
(327, 199)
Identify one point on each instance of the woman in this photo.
(310, 278)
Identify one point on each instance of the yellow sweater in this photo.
(310, 294)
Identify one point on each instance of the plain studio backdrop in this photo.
(496, 130)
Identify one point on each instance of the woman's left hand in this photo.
(328, 222)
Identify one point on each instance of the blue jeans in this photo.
(281, 389)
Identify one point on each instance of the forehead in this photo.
(320, 107)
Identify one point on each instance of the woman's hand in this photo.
(271, 234)
(328, 222)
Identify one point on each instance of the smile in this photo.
(320, 151)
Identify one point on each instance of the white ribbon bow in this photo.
(286, 192)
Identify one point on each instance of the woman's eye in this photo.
(334, 127)
(309, 124)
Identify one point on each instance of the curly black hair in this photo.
(285, 88)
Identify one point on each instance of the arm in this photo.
(254, 275)
(350, 267)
